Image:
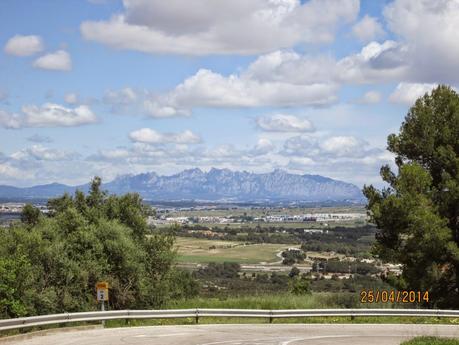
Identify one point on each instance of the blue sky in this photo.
(106, 87)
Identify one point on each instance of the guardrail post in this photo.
(127, 321)
(271, 316)
(197, 315)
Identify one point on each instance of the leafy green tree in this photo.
(417, 214)
(30, 214)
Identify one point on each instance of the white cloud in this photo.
(157, 109)
(284, 123)
(376, 62)
(290, 67)
(370, 97)
(429, 29)
(57, 61)
(209, 89)
(48, 115)
(408, 93)
(368, 29)
(19, 45)
(55, 115)
(328, 147)
(208, 27)
(71, 98)
(341, 145)
(150, 136)
(41, 153)
(263, 147)
(285, 79)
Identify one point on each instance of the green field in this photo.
(193, 250)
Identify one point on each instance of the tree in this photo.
(294, 272)
(417, 214)
(30, 214)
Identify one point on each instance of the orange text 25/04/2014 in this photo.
(394, 296)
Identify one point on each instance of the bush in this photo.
(300, 286)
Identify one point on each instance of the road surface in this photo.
(277, 334)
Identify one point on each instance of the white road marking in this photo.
(313, 338)
(159, 335)
(266, 341)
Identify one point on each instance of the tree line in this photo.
(51, 263)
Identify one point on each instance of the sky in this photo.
(107, 87)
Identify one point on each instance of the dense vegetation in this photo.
(337, 266)
(50, 264)
(354, 241)
(292, 256)
(418, 213)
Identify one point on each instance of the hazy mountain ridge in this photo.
(214, 185)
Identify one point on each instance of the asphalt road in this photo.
(277, 334)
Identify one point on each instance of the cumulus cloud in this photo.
(368, 29)
(291, 67)
(284, 123)
(55, 115)
(20, 45)
(48, 115)
(212, 89)
(150, 136)
(278, 79)
(429, 30)
(208, 27)
(376, 62)
(408, 93)
(57, 61)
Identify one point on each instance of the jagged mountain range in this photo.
(214, 185)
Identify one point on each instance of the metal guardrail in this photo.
(22, 322)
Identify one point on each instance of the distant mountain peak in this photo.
(214, 185)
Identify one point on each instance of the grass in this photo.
(431, 341)
(279, 301)
(193, 250)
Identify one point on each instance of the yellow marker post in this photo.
(102, 295)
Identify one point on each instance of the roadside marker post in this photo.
(102, 296)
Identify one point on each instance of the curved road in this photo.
(277, 334)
